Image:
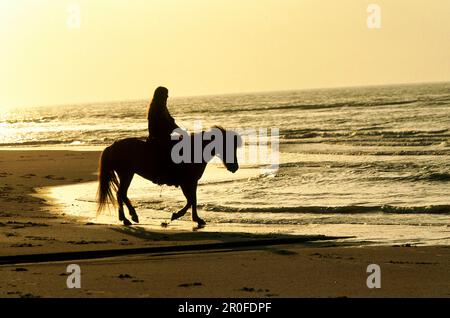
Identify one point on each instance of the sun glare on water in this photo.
(7, 129)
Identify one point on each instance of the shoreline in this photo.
(30, 225)
(27, 213)
(357, 229)
(87, 148)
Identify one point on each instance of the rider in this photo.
(160, 123)
(160, 127)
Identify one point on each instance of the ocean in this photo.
(368, 162)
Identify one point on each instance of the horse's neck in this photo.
(204, 144)
(199, 137)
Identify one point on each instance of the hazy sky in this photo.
(125, 48)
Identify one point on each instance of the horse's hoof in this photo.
(126, 222)
(174, 216)
(198, 227)
(135, 218)
(200, 222)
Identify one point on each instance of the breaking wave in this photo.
(351, 209)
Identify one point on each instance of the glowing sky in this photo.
(125, 48)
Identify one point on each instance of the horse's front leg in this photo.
(192, 198)
(190, 192)
(195, 216)
(181, 213)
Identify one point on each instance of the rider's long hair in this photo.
(159, 99)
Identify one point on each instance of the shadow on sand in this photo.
(196, 242)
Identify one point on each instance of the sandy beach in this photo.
(203, 264)
(309, 142)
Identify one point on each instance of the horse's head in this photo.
(231, 141)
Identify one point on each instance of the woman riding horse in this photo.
(152, 160)
(126, 157)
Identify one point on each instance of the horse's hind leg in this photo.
(131, 210)
(125, 181)
(121, 214)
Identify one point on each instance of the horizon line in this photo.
(233, 94)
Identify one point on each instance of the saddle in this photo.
(167, 171)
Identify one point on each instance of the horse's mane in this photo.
(233, 133)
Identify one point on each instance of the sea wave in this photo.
(43, 119)
(350, 209)
(364, 132)
(430, 176)
(66, 142)
(319, 106)
(36, 143)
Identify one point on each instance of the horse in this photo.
(126, 157)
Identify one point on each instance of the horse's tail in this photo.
(108, 181)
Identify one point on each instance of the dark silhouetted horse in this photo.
(120, 161)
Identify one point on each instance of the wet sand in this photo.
(297, 267)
